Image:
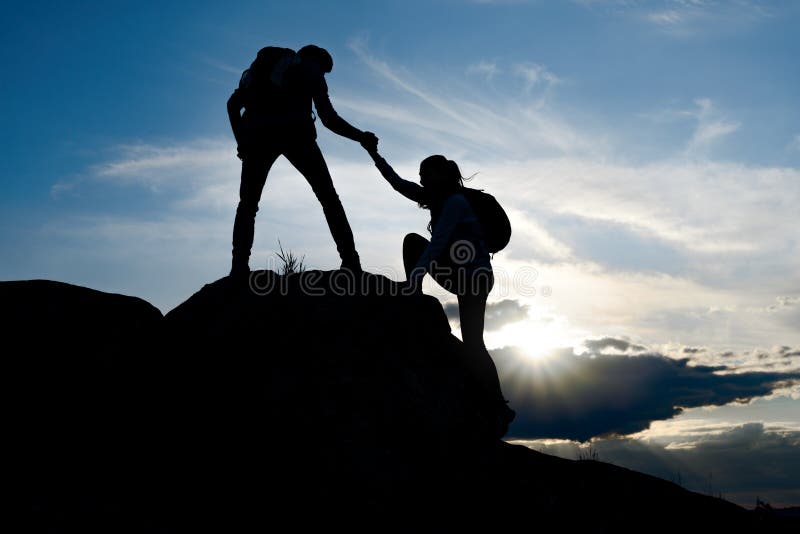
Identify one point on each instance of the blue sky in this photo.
(647, 151)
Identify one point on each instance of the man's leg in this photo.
(254, 175)
(307, 158)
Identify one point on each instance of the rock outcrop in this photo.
(302, 400)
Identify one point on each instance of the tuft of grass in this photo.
(710, 489)
(590, 453)
(290, 262)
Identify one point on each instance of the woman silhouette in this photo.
(457, 258)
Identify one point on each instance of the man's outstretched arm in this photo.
(338, 125)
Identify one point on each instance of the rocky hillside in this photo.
(307, 398)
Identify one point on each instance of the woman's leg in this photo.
(471, 310)
(413, 247)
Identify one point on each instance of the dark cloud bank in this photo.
(606, 396)
(598, 345)
(581, 397)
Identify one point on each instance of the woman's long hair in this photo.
(448, 181)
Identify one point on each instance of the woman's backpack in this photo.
(491, 216)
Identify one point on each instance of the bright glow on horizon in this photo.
(538, 336)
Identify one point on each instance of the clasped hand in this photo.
(370, 142)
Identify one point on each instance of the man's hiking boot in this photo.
(352, 264)
(240, 271)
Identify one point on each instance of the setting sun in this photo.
(538, 335)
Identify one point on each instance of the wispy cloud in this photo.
(666, 18)
(502, 2)
(486, 69)
(489, 129)
(185, 168)
(686, 18)
(382, 68)
(223, 67)
(711, 127)
(696, 205)
(677, 17)
(61, 187)
(534, 74)
(783, 302)
(532, 239)
(711, 124)
(159, 166)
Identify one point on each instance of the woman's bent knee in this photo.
(414, 239)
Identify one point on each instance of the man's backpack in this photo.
(266, 79)
(491, 216)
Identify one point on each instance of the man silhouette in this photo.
(280, 122)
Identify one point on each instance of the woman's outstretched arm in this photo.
(410, 190)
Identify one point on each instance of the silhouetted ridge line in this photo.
(240, 410)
